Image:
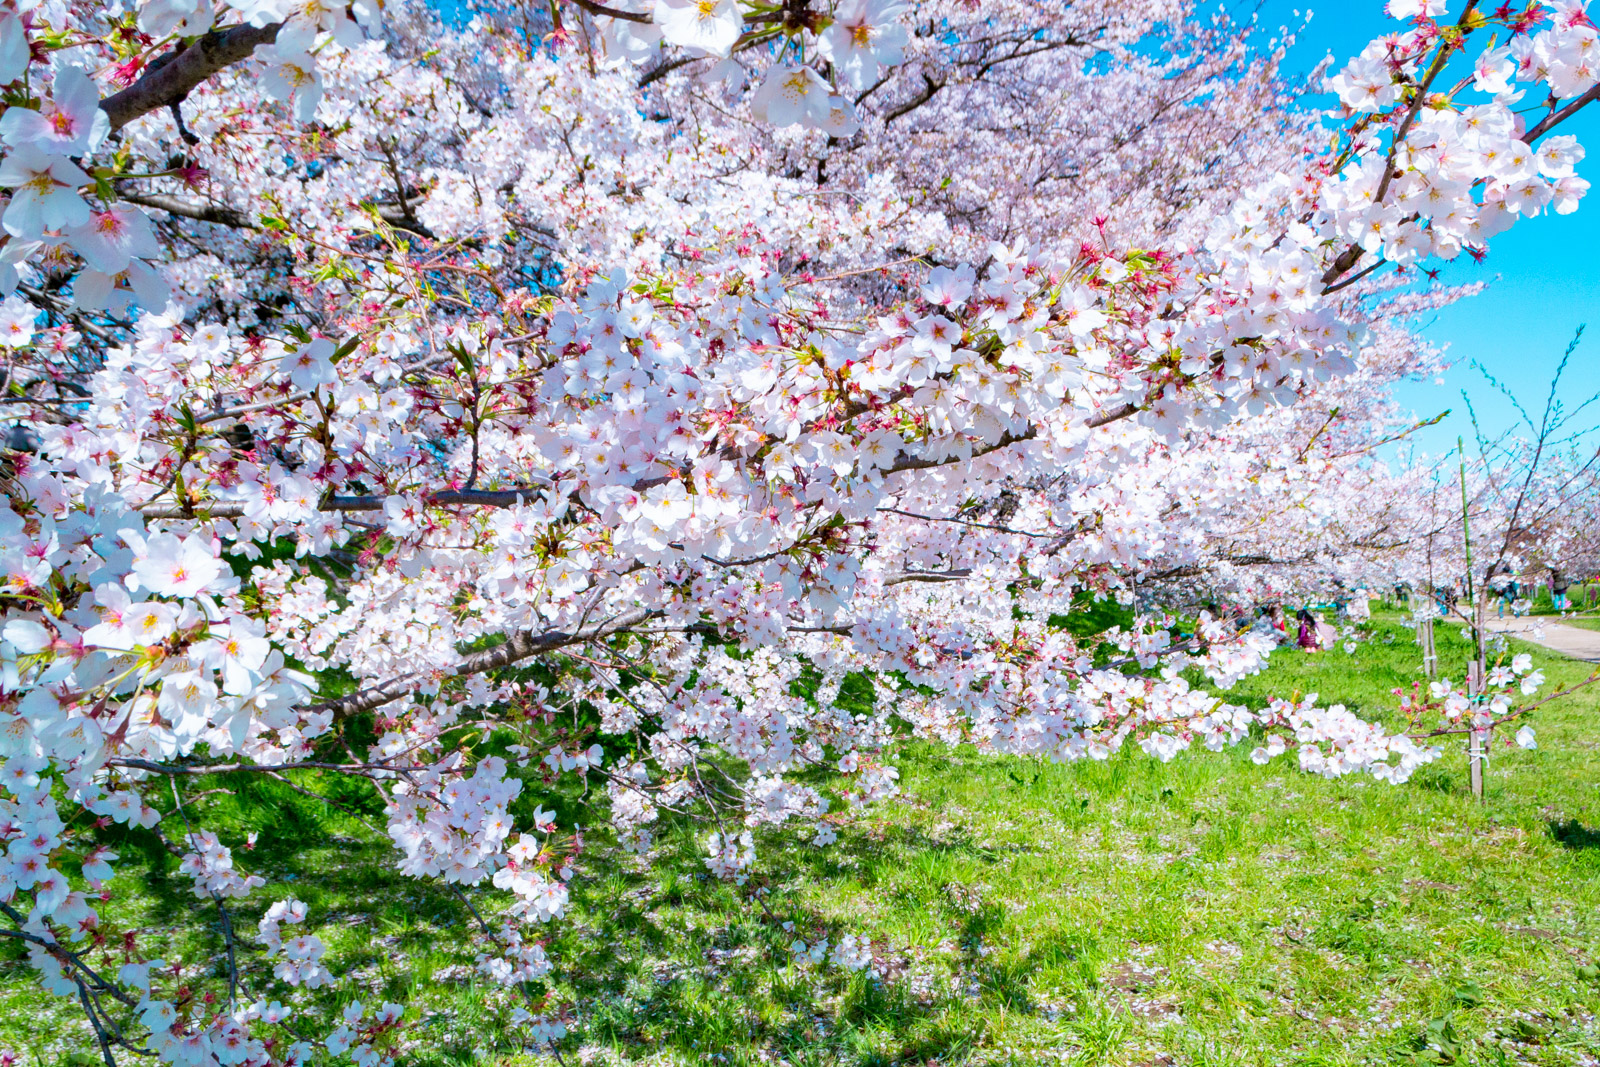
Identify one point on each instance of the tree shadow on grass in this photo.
(1571, 834)
(701, 967)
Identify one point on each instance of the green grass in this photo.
(1580, 597)
(1204, 912)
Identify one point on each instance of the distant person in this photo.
(1360, 604)
(1508, 599)
(1307, 639)
(1262, 624)
(1500, 584)
(1280, 621)
(1327, 636)
(1558, 590)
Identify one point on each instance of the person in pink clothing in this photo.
(1327, 636)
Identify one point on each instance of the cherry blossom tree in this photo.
(593, 393)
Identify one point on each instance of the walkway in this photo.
(1572, 641)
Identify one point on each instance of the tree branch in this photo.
(215, 213)
(929, 576)
(610, 12)
(507, 498)
(1555, 119)
(522, 645)
(168, 80)
(930, 87)
(907, 462)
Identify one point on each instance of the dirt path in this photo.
(1570, 641)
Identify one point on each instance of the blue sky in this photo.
(1543, 274)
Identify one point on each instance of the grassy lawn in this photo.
(1583, 598)
(1204, 912)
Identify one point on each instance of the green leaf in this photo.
(345, 349)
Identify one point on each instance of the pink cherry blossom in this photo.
(69, 122)
(173, 567)
(711, 26)
(46, 196)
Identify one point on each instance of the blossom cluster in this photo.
(301, 964)
(1480, 711)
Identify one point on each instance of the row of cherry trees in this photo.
(672, 365)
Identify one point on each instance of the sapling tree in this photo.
(1527, 497)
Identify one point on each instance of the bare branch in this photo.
(215, 213)
(1549, 122)
(610, 12)
(929, 576)
(930, 87)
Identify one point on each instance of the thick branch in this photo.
(512, 497)
(929, 576)
(169, 80)
(215, 213)
(1352, 255)
(1105, 418)
(508, 498)
(907, 462)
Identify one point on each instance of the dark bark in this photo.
(169, 79)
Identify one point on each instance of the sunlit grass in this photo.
(1202, 912)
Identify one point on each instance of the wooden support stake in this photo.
(1430, 657)
(1475, 737)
